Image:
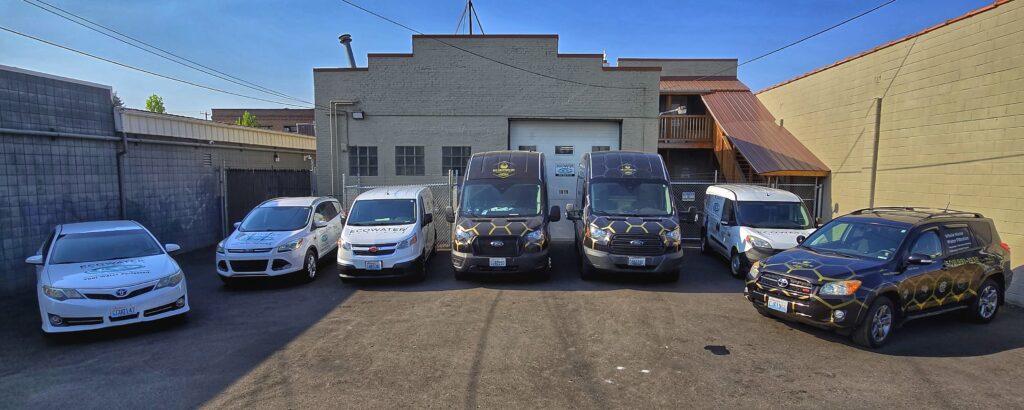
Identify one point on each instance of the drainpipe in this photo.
(123, 203)
(874, 154)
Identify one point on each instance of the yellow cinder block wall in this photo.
(952, 123)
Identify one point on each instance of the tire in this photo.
(704, 249)
(764, 313)
(461, 276)
(878, 324)
(985, 306)
(228, 282)
(309, 266)
(738, 265)
(587, 271)
(421, 269)
(671, 277)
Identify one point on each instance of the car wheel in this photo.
(228, 282)
(764, 312)
(671, 277)
(587, 271)
(309, 268)
(985, 306)
(704, 244)
(737, 265)
(878, 324)
(421, 269)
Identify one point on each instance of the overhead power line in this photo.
(389, 20)
(160, 52)
(142, 70)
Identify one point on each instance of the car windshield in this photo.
(857, 239)
(630, 198)
(383, 212)
(276, 218)
(501, 199)
(777, 215)
(103, 246)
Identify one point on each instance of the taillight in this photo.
(1005, 246)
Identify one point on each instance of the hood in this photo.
(780, 238)
(510, 226)
(371, 235)
(635, 225)
(256, 240)
(110, 274)
(816, 266)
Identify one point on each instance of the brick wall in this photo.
(952, 122)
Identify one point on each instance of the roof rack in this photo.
(928, 212)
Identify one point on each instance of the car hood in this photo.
(818, 267)
(110, 274)
(370, 235)
(257, 240)
(781, 238)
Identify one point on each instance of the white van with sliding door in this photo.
(389, 233)
(747, 223)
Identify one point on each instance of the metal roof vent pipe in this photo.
(346, 40)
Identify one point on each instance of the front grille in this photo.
(484, 246)
(121, 318)
(799, 288)
(105, 296)
(379, 245)
(381, 252)
(258, 265)
(257, 250)
(636, 244)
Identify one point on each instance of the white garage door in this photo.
(563, 143)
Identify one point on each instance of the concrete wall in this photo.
(686, 67)
(440, 96)
(952, 122)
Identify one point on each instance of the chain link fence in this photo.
(443, 190)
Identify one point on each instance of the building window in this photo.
(409, 160)
(362, 161)
(531, 148)
(563, 149)
(454, 159)
(598, 148)
(291, 128)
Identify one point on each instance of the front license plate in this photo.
(497, 262)
(778, 304)
(373, 265)
(634, 261)
(122, 311)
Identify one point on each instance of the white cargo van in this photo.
(747, 223)
(389, 233)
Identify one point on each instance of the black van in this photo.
(502, 217)
(865, 273)
(625, 217)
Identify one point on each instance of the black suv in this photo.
(864, 273)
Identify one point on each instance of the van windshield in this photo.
(772, 215)
(501, 199)
(630, 198)
(371, 212)
(276, 218)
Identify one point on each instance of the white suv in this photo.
(389, 233)
(281, 236)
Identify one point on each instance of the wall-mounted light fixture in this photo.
(357, 115)
(277, 158)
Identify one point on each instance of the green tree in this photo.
(117, 100)
(155, 104)
(247, 120)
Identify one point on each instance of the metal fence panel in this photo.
(247, 188)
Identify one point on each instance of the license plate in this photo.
(634, 261)
(373, 265)
(122, 311)
(497, 262)
(778, 304)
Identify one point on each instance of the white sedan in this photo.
(93, 275)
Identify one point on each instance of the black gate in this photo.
(246, 188)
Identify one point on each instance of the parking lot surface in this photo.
(561, 343)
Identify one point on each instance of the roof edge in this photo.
(675, 59)
(555, 36)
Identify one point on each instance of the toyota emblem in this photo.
(373, 249)
(121, 292)
(783, 283)
(636, 242)
(497, 244)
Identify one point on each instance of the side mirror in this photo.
(800, 239)
(172, 247)
(817, 222)
(428, 218)
(723, 223)
(34, 260)
(319, 224)
(449, 214)
(919, 259)
(555, 214)
(342, 220)
(571, 213)
(237, 224)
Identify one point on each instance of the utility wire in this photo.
(478, 24)
(461, 18)
(375, 14)
(74, 18)
(802, 39)
(147, 71)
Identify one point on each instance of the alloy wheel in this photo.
(881, 323)
(989, 302)
(311, 266)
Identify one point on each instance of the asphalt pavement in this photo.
(499, 343)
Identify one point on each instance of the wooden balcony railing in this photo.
(687, 131)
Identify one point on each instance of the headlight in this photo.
(599, 235)
(674, 235)
(535, 236)
(170, 281)
(220, 247)
(758, 242)
(408, 242)
(344, 245)
(755, 270)
(61, 293)
(462, 236)
(290, 246)
(840, 288)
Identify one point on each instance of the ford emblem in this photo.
(497, 244)
(121, 292)
(636, 242)
(783, 283)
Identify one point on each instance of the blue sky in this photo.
(276, 43)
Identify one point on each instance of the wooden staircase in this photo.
(735, 168)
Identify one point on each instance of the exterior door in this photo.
(724, 227)
(919, 286)
(563, 143)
